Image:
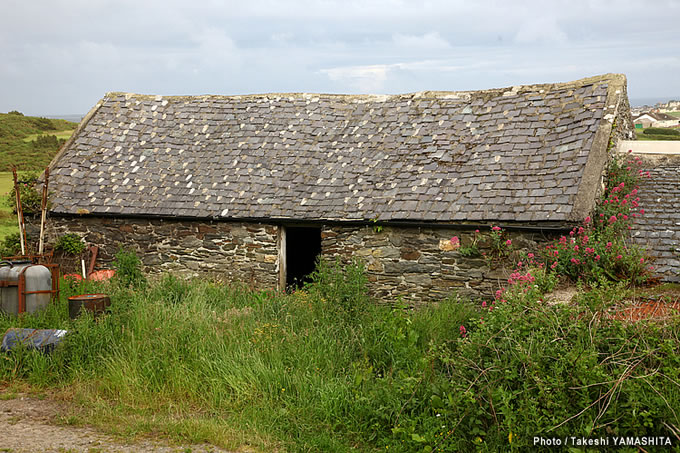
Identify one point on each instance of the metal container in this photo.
(95, 303)
(24, 287)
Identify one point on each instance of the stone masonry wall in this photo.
(419, 264)
(415, 264)
(246, 252)
(658, 230)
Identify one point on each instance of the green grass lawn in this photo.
(676, 114)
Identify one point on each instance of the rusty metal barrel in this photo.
(94, 303)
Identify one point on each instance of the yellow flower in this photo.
(510, 437)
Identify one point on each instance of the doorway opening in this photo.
(302, 249)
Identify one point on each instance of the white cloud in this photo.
(543, 30)
(428, 42)
(366, 79)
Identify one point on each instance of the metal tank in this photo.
(24, 287)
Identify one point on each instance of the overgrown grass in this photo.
(327, 369)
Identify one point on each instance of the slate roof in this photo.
(658, 230)
(525, 153)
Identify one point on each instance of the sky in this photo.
(62, 56)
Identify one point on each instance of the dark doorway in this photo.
(303, 247)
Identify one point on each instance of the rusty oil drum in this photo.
(94, 303)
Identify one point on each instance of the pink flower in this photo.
(587, 220)
(508, 242)
(642, 260)
(612, 219)
(618, 257)
(642, 211)
(553, 265)
(576, 248)
(483, 304)
(530, 255)
(609, 244)
(463, 331)
(597, 257)
(476, 231)
(455, 240)
(575, 261)
(496, 228)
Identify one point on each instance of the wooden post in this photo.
(20, 213)
(43, 212)
(283, 274)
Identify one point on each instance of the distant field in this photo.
(61, 135)
(676, 114)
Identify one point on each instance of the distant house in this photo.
(654, 119)
(254, 188)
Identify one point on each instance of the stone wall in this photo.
(246, 252)
(419, 264)
(415, 264)
(658, 229)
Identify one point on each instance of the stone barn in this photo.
(255, 188)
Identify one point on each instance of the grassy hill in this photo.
(30, 142)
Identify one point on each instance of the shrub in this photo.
(15, 112)
(43, 124)
(11, 245)
(48, 142)
(128, 269)
(70, 243)
(660, 131)
(31, 199)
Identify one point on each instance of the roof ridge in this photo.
(609, 77)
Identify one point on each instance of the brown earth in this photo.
(29, 424)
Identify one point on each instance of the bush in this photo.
(660, 131)
(15, 112)
(11, 245)
(43, 124)
(70, 243)
(48, 142)
(129, 269)
(31, 199)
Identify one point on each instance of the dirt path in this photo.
(28, 425)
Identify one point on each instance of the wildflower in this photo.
(587, 220)
(575, 261)
(597, 257)
(476, 231)
(642, 211)
(463, 331)
(642, 260)
(496, 228)
(576, 248)
(508, 242)
(618, 257)
(609, 244)
(530, 255)
(483, 304)
(612, 219)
